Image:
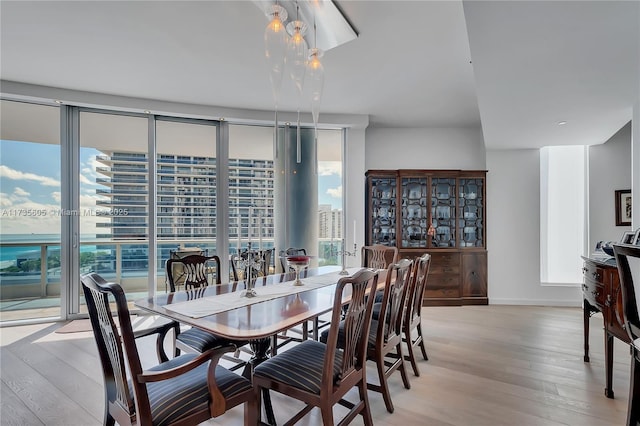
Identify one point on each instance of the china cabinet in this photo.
(441, 212)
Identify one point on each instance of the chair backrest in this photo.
(393, 301)
(192, 271)
(113, 344)
(622, 253)
(291, 251)
(417, 284)
(357, 321)
(379, 256)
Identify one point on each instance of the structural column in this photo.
(296, 192)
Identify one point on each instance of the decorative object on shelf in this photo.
(623, 207)
(628, 237)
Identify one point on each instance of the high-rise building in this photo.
(330, 222)
(187, 195)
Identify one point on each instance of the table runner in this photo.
(210, 305)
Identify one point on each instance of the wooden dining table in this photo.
(279, 306)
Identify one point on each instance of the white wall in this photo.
(428, 148)
(609, 170)
(513, 233)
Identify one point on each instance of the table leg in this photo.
(260, 348)
(608, 360)
(586, 314)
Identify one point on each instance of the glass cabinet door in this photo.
(470, 208)
(443, 212)
(414, 212)
(383, 211)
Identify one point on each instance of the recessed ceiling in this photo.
(534, 63)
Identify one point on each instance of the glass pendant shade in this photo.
(275, 46)
(297, 66)
(297, 53)
(316, 82)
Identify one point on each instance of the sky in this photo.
(30, 188)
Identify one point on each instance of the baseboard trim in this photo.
(537, 302)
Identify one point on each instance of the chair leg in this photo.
(364, 397)
(327, 414)
(252, 412)
(401, 366)
(410, 354)
(421, 341)
(633, 412)
(384, 386)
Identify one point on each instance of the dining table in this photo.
(224, 310)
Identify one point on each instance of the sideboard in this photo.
(601, 293)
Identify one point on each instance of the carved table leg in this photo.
(608, 360)
(260, 348)
(586, 314)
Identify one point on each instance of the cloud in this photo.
(4, 200)
(57, 196)
(20, 192)
(328, 168)
(335, 192)
(9, 173)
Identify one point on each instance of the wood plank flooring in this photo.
(488, 365)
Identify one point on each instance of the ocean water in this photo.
(8, 254)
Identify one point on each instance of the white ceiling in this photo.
(534, 63)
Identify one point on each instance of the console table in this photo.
(601, 293)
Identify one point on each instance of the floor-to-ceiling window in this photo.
(186, 190)
(30, 211)
(330, 204)
(122, 202)
(114, 194)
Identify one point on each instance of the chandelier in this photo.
(286, 51)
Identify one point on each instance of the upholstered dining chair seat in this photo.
(175, 399)
(200, 340)
(300, 367)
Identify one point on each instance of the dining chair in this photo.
(385, 338)
(378, 256)
(149, 325)
(194, 271)
(186, 390)
(320, 375)
(316, 324)
(628, 261)
(412, 325)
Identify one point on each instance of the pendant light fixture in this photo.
(275, 49)
(296, 63)
(316, 81)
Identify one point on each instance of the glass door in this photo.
(114, 193)
(31, 211)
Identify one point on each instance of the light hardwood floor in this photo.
(488, 365)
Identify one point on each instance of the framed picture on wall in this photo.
(623, 207)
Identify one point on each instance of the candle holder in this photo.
(344, 253)
(248, 265)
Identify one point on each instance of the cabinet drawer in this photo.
(443, 285)
(592, 273)
(445, 259)
(593, 292)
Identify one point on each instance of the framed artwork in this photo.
(628, 237)
(623, 207)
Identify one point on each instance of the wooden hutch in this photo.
(441, 212)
